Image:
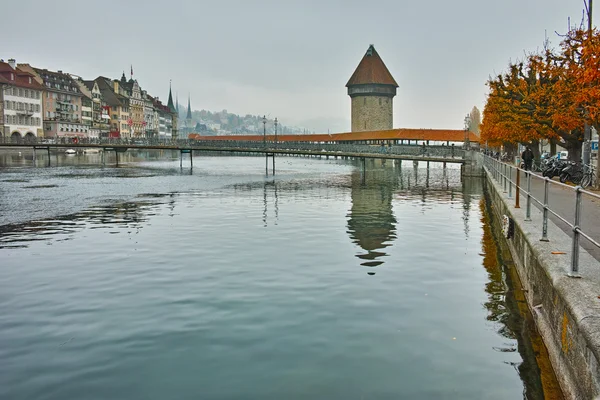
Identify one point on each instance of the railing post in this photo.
(504, 176)
(545, 214)
(518, 189)
(528, 212)
(575, 247)
(496, 171)
(509, 167)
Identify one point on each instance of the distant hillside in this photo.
(223, 122)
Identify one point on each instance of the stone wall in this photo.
(566, 309)
(372, 113)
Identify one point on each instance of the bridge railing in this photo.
(402, 149)
(408, 150)
(509, 177)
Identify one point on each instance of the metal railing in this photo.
(503, 174)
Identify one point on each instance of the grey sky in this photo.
(288, 58)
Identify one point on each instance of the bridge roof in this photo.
(436, 135)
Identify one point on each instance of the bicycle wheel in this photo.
(563, 177)
(585, 182)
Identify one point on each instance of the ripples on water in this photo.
(221, 284)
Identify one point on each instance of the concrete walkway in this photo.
(562, 201)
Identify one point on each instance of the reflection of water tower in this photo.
(372, 89)
(371, 221)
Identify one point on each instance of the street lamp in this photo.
(264, 131)
(275, 131)
(467, 143)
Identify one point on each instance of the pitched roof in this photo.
(189, 110)
(110, 98)
(58, 81)
(170, 102)
(371, 70)
(19, 78)
(89, 84)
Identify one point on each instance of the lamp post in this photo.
(275, 131)
(264, 121)
(467, 143)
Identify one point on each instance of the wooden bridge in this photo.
(441, 154)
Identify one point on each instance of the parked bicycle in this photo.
(588, 176)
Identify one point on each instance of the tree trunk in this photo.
(510, 149)
(575, 150)
(552, 147)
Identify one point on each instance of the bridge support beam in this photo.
(181, 153)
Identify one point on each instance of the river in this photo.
(147, 281)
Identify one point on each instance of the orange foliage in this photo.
(550, 95)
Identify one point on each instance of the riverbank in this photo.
(566, 309)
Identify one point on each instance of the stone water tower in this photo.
(372, 89)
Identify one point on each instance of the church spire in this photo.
(189, 112)
(170, 103)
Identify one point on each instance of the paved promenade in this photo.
(562, 201)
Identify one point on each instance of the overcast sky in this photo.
(288, 58)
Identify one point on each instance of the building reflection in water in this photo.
(371, 220)
(508, 311)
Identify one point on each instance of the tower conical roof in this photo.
(371, 70)
(189, 112)
(170, 102)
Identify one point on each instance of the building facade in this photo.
(150, 117)
(62, 104)
(20, 104)
(165, 120)
(135, 122)
(372, 89)
(94, 110)
(120, 112)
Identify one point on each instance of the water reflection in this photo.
(371, 220)
(507, 309)
(25, 158)
(129, 215)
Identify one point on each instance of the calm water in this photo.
(151, 282)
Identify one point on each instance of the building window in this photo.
(26, 92)
(20, 92)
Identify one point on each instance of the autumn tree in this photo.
(550, 95)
